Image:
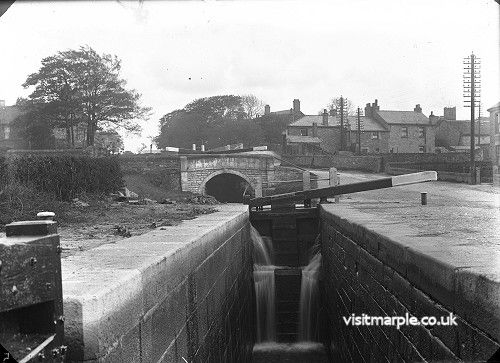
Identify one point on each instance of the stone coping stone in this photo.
(107, 290)
(463, 278)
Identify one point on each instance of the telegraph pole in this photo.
(472, 88)
(359, 131)
(341, 123)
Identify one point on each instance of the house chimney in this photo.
(267, 110)
(296, 105)
(315, 129)
(325, 117)
(375, 106)
(433, 119)
(2, 103)
(333, 112)
(418, 108)
(368, 110)
(450, 113)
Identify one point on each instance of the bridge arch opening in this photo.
(227, 187)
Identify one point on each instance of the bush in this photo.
(22, 202)
(65, 176)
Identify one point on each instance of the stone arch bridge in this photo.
(257, 170)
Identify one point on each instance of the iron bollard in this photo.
(423, 198)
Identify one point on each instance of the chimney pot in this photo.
(325, 118)
(267, 109)
(296, 105)
(417, 108)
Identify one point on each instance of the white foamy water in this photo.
(265, 289)
(309, 300)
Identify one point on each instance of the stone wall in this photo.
(426, 157)
(379, 272)
(343, 162)
(160, 170)
(181, 292)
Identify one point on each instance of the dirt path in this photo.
(92, 226)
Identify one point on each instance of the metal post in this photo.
(423, 198)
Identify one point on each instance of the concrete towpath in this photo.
(467, 214)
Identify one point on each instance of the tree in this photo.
(334, 104)
(212, 121)
(33, 125)
(82, 86)
(252, 106)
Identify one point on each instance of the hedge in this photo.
(65, 176)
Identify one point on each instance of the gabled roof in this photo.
(367, 124)
(463, 126)
(283, 112)
(403, 117)
(8, 114)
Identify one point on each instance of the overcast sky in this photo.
(399, 52)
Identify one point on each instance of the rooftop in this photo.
(368, 124)
(404, 117)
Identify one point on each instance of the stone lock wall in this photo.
(182, 292)
(365, 271)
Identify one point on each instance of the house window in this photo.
(364, 150)
(497, 123)
(404, 131)
(421, 149)
(421, 132)
(375, 135)
(303, 132)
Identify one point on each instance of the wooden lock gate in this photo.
(31, 303)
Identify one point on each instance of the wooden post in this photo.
(334, 181)
(306, 185)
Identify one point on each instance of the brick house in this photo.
(381, 132)
(316, 133)
(495, 142)
(409, 131)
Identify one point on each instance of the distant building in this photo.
(274, 123)
(409, 131)
(454, 135)
(495, 141)
(381, 132)
(7, 115)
